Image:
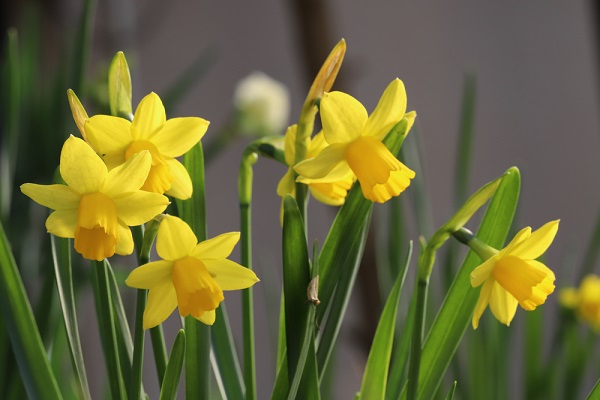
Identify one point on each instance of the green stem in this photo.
(135, 385)
(417, 338)
(245, 197)
(197, 359)
(104, 310)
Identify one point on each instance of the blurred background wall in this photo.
(537, 108)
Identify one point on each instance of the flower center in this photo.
(196, 289)
(160, 178)
(96, 232)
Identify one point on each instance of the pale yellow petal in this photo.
(290, 145)
(80, 167)
(62, 223)
(389, 110)
(481, 273)
(482, 301)
(109, 136)
(129, 176)
(175, 239)
(162, 301)
(181, 187)
(149, 117)
(139, 207)
(219, 247)
(287, 184)
(230, 275)
(502, 304)
(332, 193)
(56, 197)
(125, 244)
(207, 317)
(328, 166)
(316, 144)
(521, 236)
(179, 135)
(536, 244)
(343, 117)
(149, 275)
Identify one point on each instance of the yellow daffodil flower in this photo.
(191, 276)
(96, 207)
(332, 193)
(512, 276)
(585, 300)
(116, 140)
(355, 145)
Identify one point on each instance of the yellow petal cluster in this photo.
(97, 206)
(513, 277)
(191, 276)
(585, 300)
(354, 144)
(332, 193)
(116, 140)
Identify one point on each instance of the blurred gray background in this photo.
(536, 108)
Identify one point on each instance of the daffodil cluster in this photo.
(349, 148)
(117, 177)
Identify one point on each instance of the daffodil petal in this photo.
(109, 137)
(536, 244)
(230, 275)
(179, 135)
(138, 207)
(162, 300)
(80, 167)
(389, 111)
(569, 298)
(521, 236)
(481, 273)
(175, 239)
(62, 223)
(289, 148)
(482, 301)
(332, 193)
(328, 166)
(149, 275)
(287, 184)
(129, 176)
(207, 317)
(181, 187)
(343, 117)
(502, 304)
(216, 248)
(56, 197)
(316, 144)
(125, 245)
(149, 117)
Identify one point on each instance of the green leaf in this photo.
(341, 255)
(83, 40)
(226, 356)
(455, 313)
(27, 346)
(168, 391)
(108, 333)
(450, 394)
(61, 255)
(376, 371)
(296, 277)
(119, 87)
(595, 393)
